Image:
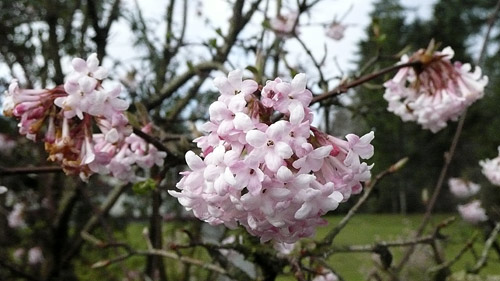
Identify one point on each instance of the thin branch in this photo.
(368, 189)
(322, 82)
(149, 252)
(183, 259)
(93, 221)
(237, 22)
(451, 262)
(371, 248)
(169, 89)
(29, 170)
(51, 19)
(16, 271)
(487, 246)
(437, 190)
(152, 140)
(181, 104)
(342, 88)
(429, 239)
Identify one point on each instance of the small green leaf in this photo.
(254, 70)
(212, 43)
(266, 24)
(132, 120)
(142, 112)
(190, 65)
(144, 187)
(219, 31)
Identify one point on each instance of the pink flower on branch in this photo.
(274, 178)
(16, 216)
(66, 118)
(336, 30)
(463, 188)
(35, 255)
(473, 212)
(434, 92)
(491, 169)
(284, 25)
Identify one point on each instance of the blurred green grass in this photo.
(371, 228)
(362, 229)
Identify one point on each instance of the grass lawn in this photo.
(370, 228)
(362, 229)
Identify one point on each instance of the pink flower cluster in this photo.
(491, 169)
(15, 218)
(435, 91)
(65, 117)
(284, 25)
(336, 30)
(473, 212)
(35, 255)
(275, 178)
(463, 188)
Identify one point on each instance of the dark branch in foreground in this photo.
(29, 170)
(342, 88)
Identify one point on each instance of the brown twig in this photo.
(130, 252)
(368, 189)
(29, 170)
(451, 262)
(487, 246)
(342, 88)
(93, 221)
(428, 239)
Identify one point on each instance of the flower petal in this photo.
(256, 138)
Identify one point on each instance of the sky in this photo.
(204, 16)
(215, 14)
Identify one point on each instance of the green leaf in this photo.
(254, 70)
(143, 113)
(212, 43)
(266, 24)
(143, 187)
(219, 31)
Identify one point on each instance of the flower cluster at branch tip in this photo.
(435, 91)
(473, 212)
(6, 144)
(336, 30)
(276, 178)
(491, 169)
(284, 25)
(65, 118)
(15, 218)
(35, 255)
(463, 188)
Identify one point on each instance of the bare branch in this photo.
(93, 221)
(368, 189)
(487, 246)
(448, 264)
(29, 170)
(342, 88)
